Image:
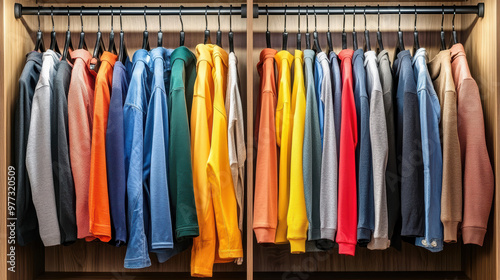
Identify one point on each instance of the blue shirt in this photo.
(115, 151)
(318, 77)
(337, 96)
(156, 154)
(366, 207)
(134, 116)
(430, 113)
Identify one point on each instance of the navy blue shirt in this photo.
(115, 152)
(366, 208)
(409, 147)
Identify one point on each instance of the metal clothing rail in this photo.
(373, 10)
(20, 11)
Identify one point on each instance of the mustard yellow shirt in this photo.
(284, 140)
(297, 215)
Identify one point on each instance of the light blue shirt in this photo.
(337, 96)
(134, 116)
(430, 113)
(156, 154)
(318, 78)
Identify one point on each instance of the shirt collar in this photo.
(346, 53)
(332, 55)
(370, 55)
(308, 53)
(321, 56)
(420, 53)
(220, 52)
(383, 54)
(283, 55)
(163, 54)
(141, 55)
(357, 54)
(183, 54)
(50, 54)
(109, 58)
(35, 57)
(457, 50)
(267, 53)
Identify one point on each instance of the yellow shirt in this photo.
(284, 140)
(218, 168)
(297, 215)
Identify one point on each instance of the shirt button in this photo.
(424, 242)
(434, 244)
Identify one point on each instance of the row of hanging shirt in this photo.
(369, 154)
(148, 154)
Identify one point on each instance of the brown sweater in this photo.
(478, 173)
(451, 195)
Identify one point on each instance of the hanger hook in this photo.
(415, 25)
(218, 18)
(180, 17)
(145, 21)
(68, 17)
(442, 17)
(121, 28)
(230, 18)
(354, 19)
(39, 19)
(328, 11)
(159, 17)
(81, 16)
(98, 19)
(399, 19)
(378, 18)
(112, 19)
(364, 15)
(298, 21)
(52, 17)
(206, 19)
(267, 22)
(343, 21)
(307, 18)
(315, 20)
(453, 20)
(284, 29)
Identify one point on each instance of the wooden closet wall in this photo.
(90, 260)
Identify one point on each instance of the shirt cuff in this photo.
(347, 249)
(450, 231)
(473, 235)
(297, 246)
(379, 244)
(265, 235)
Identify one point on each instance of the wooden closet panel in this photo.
(480, 38)
(278, 258)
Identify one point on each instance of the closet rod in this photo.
(20, 11)
(373, 10)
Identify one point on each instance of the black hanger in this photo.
(328, 33)
(400, 46)
(122, 54)
(299, 35)
(53, 39)
(380, 43)
(39, 45)
(316, 45)
(268, 34)
(366, 46)
(160, 34)
(354, 34)
(99, 43)
(68, 44)
(145, 34)
(206, 40)
(443, 45)
(82, 44)
(416, 44)
(112, 46)
(218, 41)
(230, 34)
(181, 33)
(308, 35)
(344, 35)
(454, 39)
(285, 35)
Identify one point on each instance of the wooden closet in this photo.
(480, 37)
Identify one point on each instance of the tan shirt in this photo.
(451, 195)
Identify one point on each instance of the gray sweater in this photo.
(380, 148)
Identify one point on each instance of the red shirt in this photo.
(347, 208)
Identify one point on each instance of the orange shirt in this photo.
(100, 222)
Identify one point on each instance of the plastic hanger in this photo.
(268, 34)
(328, 33)
(218, 41)
(285, 35)
(354, 34)
(308, 35)
(344, 35)
(53, 39)
(145, 34)
(99, 44)
(82, 44)
(454, 39)
(207, 32)
(160, 34)
(316, 45)
(443, 45)
(181, 33)
(366, 46)
(400, 46)
(39, 45)
(380, 43)
(416, 44)
(299, 35)
(68, 44)
(230, 34)
(122, 54)
(112, 46)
